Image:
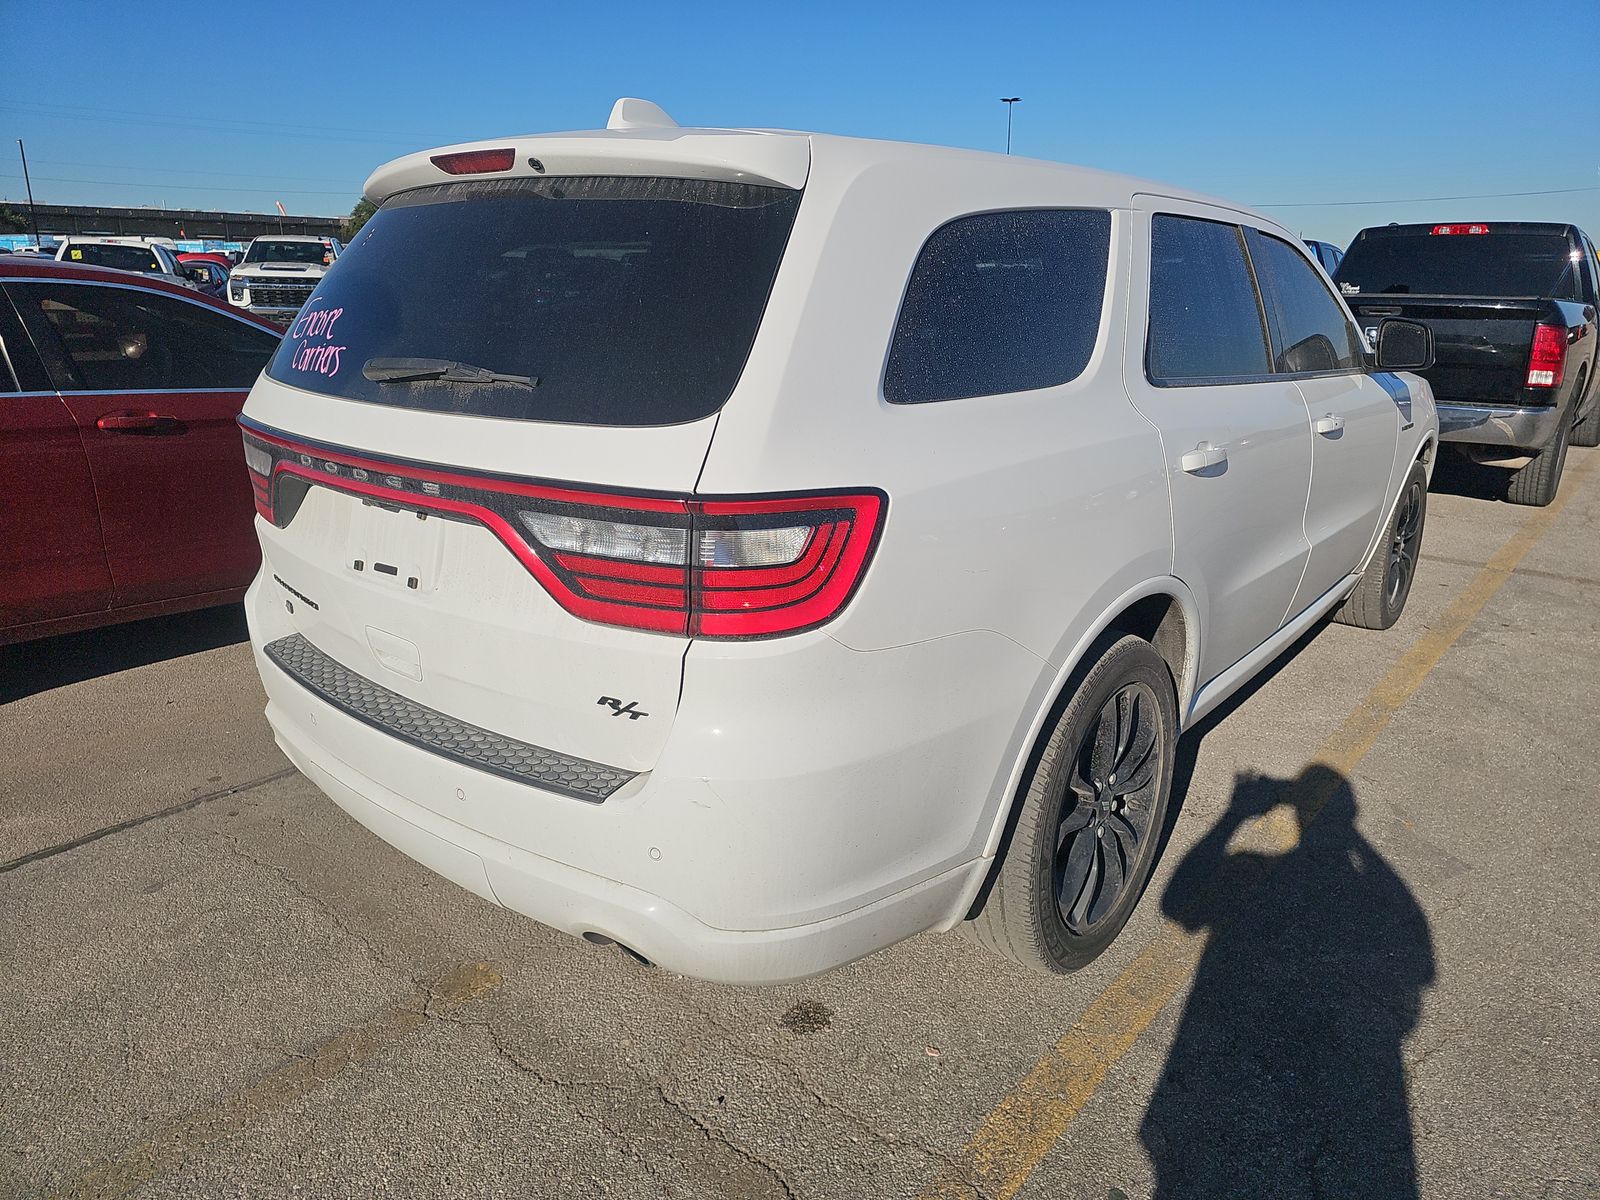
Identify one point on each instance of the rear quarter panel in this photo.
(1022, 517)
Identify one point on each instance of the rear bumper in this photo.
(786, 829)
(1498, 425)
(577, 902)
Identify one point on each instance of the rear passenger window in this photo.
(1002, 302)
(1205, 320)
(1310, 331)
(121, 339)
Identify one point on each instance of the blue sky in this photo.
(237, 105)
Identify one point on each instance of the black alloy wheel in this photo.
(1089, 819)
(1116, 771)
(1404, 543)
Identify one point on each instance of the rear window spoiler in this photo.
(732, 155)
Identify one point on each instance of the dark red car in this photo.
(209, 272)
(123, 492)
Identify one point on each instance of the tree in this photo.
(12, 221)
(358, 217)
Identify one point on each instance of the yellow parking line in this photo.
(1030, 1119)
(172, 1146)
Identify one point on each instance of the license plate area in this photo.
(395, 547)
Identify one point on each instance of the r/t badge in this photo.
(618, 709)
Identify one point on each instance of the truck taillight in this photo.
(1548, 360)
(695, 566)
(1441, 230)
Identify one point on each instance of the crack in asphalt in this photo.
(626, 1142)
(860, 1120)
(304, 1074)
(160, 814)
(305, 892)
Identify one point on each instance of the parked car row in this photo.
(757, 548)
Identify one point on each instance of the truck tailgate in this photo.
(1480, 344)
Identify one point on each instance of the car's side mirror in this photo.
(1403, 346)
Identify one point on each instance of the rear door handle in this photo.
(1202, 456)
(1330, 423)
(131, 420)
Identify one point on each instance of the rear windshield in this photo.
(123, 258)
(621, 301)
(290, 252)
(1461, 264)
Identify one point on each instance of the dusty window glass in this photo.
(1310, 331)
(614, 300)
(1001, 302)
(1205, 320)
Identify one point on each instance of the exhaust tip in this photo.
(600, 939)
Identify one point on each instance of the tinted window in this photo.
(1310, 331)
(1003, 302)
(19, 369)
(122, 258)
(1205, 321)
(127, 339)
(1460, 264)
(631, 301)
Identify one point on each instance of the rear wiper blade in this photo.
(408, 370)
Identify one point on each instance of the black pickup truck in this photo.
(1512, 309)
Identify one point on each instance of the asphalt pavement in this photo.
(1366, 965)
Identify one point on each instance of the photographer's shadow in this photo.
(1286, 1078)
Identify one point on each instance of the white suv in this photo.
(146, 256)
(755, 548)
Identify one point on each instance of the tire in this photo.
(1587, 431)
(1535, 484)
(1380, 597)
(1066, 822)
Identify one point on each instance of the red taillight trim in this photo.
(475, 162)
(834, 581)
(713, 578)
(691, 600)
(1547, 358)
(509, 487)
(611, 568)
(755, 597)
(1448, 230)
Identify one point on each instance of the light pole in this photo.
(1008, 101)
(33, 214)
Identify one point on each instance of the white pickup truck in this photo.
(278, 274)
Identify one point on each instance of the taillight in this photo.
(1459, 229)
(474, 162)
(1548, 360)
(258, 462)
(711, 567)
(778, 564)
